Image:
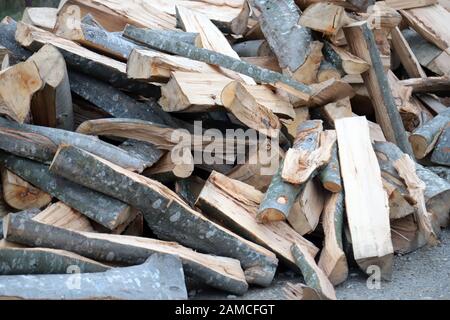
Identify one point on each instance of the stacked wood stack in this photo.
(117, 160)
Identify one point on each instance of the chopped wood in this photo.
(220, 272)
(327, 71)
(44, 18)
(327, 18)
(407, 171)
(362, 44)
(330, 175)
(236, 204)
(366, 201)
(441, 153)
(428, 85)
(425, 137)
(100, 208)
(336, 110)
(409, 4)
(406, 54)
(52, 105)
(139, 281)
(17, 86)
(313, 274)
(180, 166)
(259, 264)
(406, 236)
(253, 48)
(21, 195)
(332, 257)
(270, 63)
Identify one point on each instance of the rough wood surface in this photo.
(160, 277)
(408, 4)
(100, 208)
(222, 273)
(406, 55)
(40, 17)
(365, 199)
(362, 44)
(441, 153)
(327, 18)
(167, 215)
(428, 85)
(330, 175)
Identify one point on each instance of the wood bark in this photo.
(281, 195)
(7, 39)
(258, 74)
(159, 278)
(326, 18)
(406, 55)
(253, 48)
(330, 175)
(219, 272)
(51, 137)
(428, 85)
(332, 257)
(84, 60)
(362, 44)
(424, 138)
(100, 208)
(165, 212)
(366, 202)
(44, 18)
(441, 154)
(52, 105)
(236, 204)
(21, 195)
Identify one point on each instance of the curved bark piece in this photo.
(159, 278)
(58, 137)
(219, 272)
(425, 137)
(100, 208)
(167, 215)
(344, 61)
(331, 173)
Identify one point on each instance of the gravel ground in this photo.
(423, 274)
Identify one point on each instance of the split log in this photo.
(52, 105)
(253, 48)
(406, 55)
(260, 75)
(281, 195)
(336, 110)
(314, 276)
(69, 26)
(144, 150)
(431, 22)
(327, 18)
(362, 44)
(327, 71)
(365, 199)
(407, 171)
(425, 137)
(290, 42)
(140, 281)
(428, 85)
(157, 66)
(189, 189)
(7, 39)
(26, 261)
(114, 15)
(84, 60)
(266, 62)
(235, 204)
(325, 92)
(428, 55)
(44, 18)
(100, 208)
(178, 163)
(211, 38)
(330, 175)
(332, 258)
(408, 4)
(406, 236)
(17, 86)
(301, 115)
(305, 214)
(353, 5)
(167, 215)
(432, 102)
(219, 272)
(21, 195)
(300, 164)
(441, 153)
(437, 190)
(63, 216)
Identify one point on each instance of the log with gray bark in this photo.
(166, 214)
(219, 272)
(159, 278)
(441, 153)
(48, 138)
(281, 195)
(330, 175)
(7, 39)
(425, 137)
(183, 49)
(105, 210)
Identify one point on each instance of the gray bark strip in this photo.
(159, 278)
(21, 261)
(288, 40)
(189, 51)
(105, 210)
(441, 153)
(167, 215)
(219, 272)
(89, 143)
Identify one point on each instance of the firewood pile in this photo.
(166, 145)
